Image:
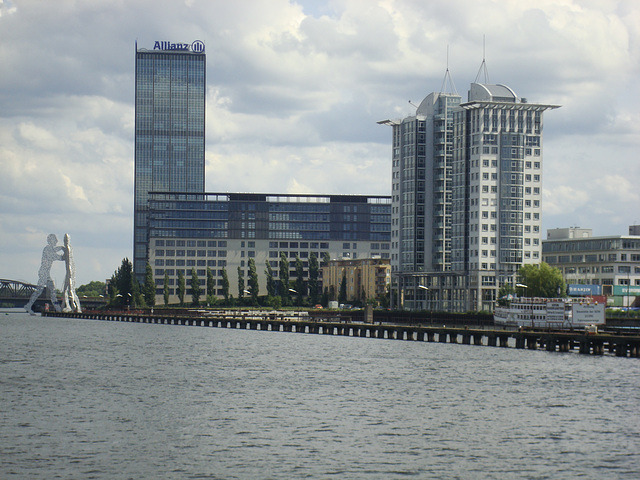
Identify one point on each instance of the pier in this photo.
(551, 341)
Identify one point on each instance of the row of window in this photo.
(190, 253)
(593, 257)
(161, 262)
(191, 243)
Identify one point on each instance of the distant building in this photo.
(169, 130)
(607, 265)
(570, 232)
(467, 197)
(365, 278)
(223, 231)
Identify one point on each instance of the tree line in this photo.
(124, 288)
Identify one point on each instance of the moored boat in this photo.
(556, 313)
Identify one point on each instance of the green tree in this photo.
(542, 281)
(313, 279)
(325, 259)
(92, 289)
(122, 280)
(149, 290)
(342, 296)
(137, 300)
(225, 285)
(275, 302)
(325, 297)
(240, 284)
(253, 281)
(165, 289)
(211, 283)
(299, 280)
(181, 287)
(271, 284)
(384, 299)
(284, 278)
(211, 288)
(114, 298)
(196, 290)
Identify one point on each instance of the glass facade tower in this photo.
(421, 198)
(169, 130)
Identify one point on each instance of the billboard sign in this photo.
(630, 290)
(576, 290)
(195, 47)
(585, 313)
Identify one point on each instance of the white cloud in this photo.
(294, 91)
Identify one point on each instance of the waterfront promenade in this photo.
(564, 341)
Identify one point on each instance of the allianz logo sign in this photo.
(195, 47)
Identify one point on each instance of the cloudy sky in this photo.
(294, 90)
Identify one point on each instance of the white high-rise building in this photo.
(466, 198)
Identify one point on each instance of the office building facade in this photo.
(607, 265)
(170, 82)
(497, 190)
(223, 231)
(484, 222)
(421, 197)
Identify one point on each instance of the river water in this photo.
(92, 399)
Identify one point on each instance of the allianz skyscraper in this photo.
(169, 129)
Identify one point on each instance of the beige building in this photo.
(608, 265)
(366, 278)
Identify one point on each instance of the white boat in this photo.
(556, 313)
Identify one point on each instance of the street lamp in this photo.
(521, 285)
(422, 287)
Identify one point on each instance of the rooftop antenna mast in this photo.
(483, 65)
(448, 81)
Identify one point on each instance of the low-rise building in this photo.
(223, 231)
(611, 263)
(365, 278)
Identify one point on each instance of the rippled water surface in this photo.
(93, 399)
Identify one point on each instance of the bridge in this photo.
(16, 294)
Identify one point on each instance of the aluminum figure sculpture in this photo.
(50, 254)
(71, 303)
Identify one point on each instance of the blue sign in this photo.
(195, 47)
(581, 290)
